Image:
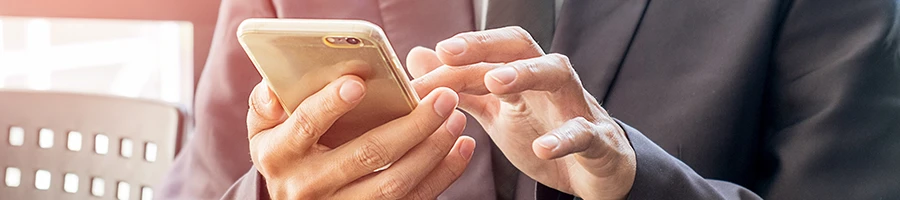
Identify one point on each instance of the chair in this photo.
(77, 146)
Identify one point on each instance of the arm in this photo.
(832, 123)
(834, 99)
(835, 102)
(591, 155)
(662, 176)
(217, 154)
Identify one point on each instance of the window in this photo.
(131, 58)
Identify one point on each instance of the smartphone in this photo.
(299, 57)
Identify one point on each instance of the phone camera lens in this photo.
(352, 41)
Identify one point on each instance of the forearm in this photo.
(662, 176)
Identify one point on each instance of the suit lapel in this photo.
(596, 36)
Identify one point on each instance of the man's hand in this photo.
(287, 152)
(534, 108)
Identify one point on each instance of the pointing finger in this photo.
(500, 45)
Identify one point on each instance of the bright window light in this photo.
(131, 58)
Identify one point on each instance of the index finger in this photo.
(387, 143)
(468, 79)
(318, 112)
(500, 45)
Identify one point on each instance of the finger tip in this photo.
(460, 114)
(493, 85)
(421, 60)
(445, 92)
(466, 146)
(458, 120)
(264, 102)
(260, 93)
(467, 140)
(500, 80)
(443, 51)
(351, 89)
(420, 49)
(452, 94)
(358, 81)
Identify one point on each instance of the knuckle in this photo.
(559, 59)
(610, 133)
(372, 155)
(453, 172)
(577, 128)
(582, 124)
(561, 66)
(475, 39)
(480, 39)
(519, 33)
(528, 67)
(394, 188)
(607, 129)
(268, 162)
(421, 125)
(452, 168)
(331, 106)
(524, 39)
(436, 147)
(303, 126)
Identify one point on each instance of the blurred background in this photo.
(152, 49)
(95, 95)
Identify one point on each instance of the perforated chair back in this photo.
(77, 146)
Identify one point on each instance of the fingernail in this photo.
(504, 75)
(548, 142)
(351, 91)
(455, 125)
(444, 105)
(453, 46)
(466, 150)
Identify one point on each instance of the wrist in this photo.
(611, 178)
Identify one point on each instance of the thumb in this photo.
(265, 110)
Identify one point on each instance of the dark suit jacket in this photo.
(733, 98)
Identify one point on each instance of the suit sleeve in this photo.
(834, 127)
(832, 116)
(217, 153)
(662, 176)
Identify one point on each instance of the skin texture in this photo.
(424, 147)
(534, 108)
(531, 104)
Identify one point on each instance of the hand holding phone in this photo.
(299, 57)
(289, 152)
